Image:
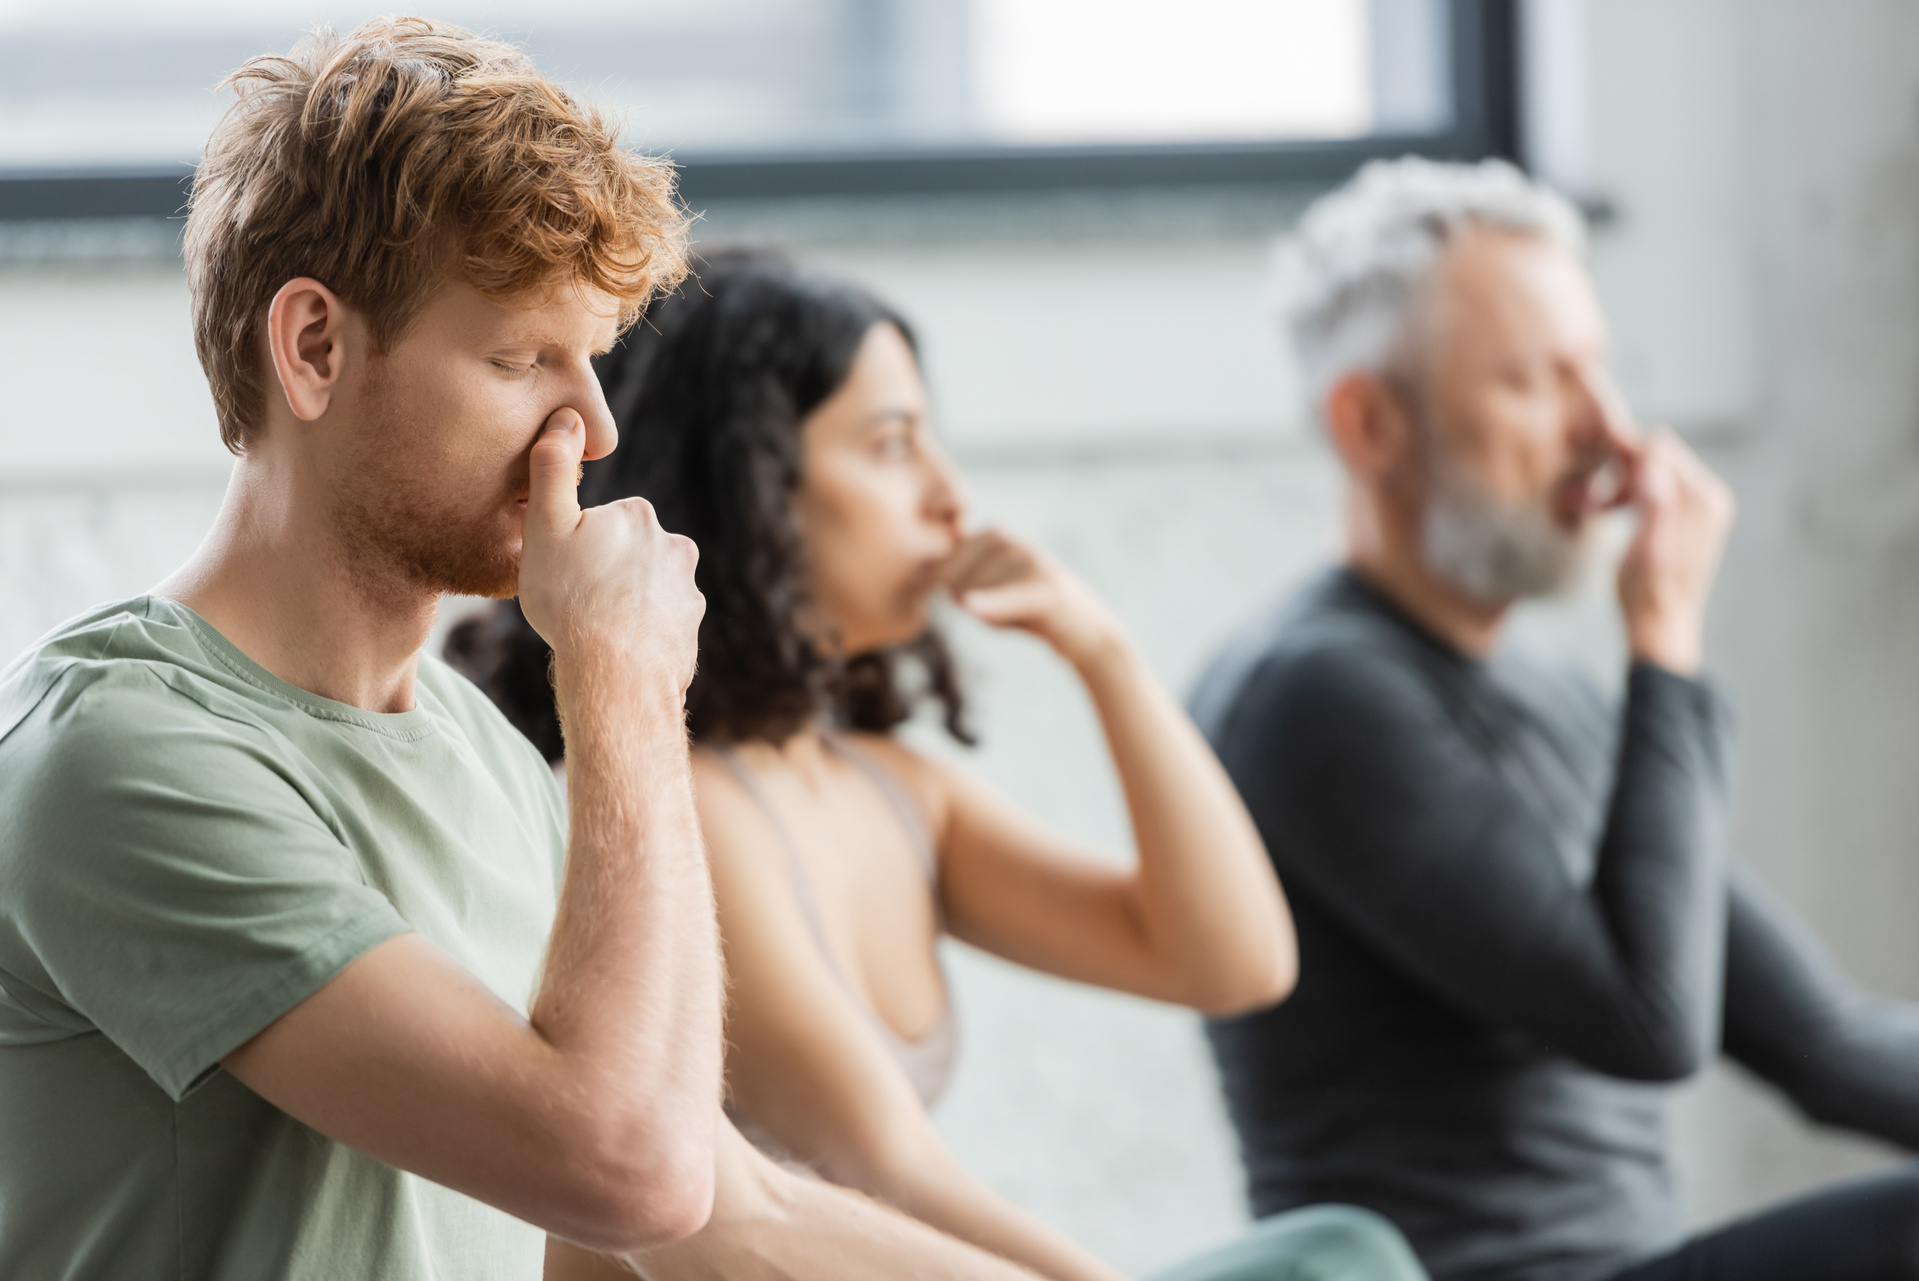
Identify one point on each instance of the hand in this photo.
(1685, 513)
(605, 580)
(1008, 583)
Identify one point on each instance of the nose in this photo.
(945, 498)
(1597, 417)
(1589, 403)
(602, 433)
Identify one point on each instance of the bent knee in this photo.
(1356, 1238)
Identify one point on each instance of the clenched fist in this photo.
(608, 581)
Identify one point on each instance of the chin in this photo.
(888, 633)
(477, 566)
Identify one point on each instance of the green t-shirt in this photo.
(189, 847)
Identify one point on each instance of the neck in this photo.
(802, 759)
(273, 578)
(1383, 547)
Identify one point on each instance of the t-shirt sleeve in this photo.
(167, 878)
(1370, 792)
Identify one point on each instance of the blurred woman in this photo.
(780, 421)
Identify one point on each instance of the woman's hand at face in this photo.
(1007, 583)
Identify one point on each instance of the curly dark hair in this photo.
(709, 392)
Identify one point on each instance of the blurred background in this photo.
(1075, 200)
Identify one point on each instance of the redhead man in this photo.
(1516, 920)
(304, 971)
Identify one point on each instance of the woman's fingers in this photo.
(972, 549)
(987, 560)
(1005, 606)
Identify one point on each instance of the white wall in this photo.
(1107, 377)
(1803, 118)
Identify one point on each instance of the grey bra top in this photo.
(928, 1061)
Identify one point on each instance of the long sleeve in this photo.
(1843, 1056)
(1397, 803)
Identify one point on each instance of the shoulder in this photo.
(752, 876)
(114, 759)
(734, 820)
(1305, 671)
(109, 692)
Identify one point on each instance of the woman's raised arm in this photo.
(1200, 919)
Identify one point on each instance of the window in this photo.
(104, 104)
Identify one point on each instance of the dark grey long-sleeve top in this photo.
(1516, 925)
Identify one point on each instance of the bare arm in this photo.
(807, 1066)
(1201, 920)
(596, 1116)
(771, 1224)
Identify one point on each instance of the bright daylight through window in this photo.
(124, 84)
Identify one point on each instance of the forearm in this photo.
(1859, 1076)
(1660, 881)
(631, 995)
(1205, 897)
(940, 1193)
(1844, 1057)
(770, 1224)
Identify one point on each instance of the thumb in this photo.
(553, 491)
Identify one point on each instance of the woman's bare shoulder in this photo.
(735, 826)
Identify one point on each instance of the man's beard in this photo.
(1493, 549)
(403, 533)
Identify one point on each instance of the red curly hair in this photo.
(387, 161)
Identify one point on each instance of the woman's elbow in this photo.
(1259, 983)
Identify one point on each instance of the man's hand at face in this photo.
(594, 1115)
(607, 580)
(1666, 576)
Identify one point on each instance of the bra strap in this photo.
(897, 798)
(802, 887)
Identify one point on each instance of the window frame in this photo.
(1485, 81)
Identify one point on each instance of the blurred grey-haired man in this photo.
(1517, 923)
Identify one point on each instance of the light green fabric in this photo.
(188, 848)
(1318, 1243)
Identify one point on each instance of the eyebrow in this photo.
(541, 340)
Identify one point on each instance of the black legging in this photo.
(1865, 1230)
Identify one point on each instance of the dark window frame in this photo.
(1485, 67)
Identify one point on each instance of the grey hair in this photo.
(1348, 277)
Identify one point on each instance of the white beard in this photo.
(1492, 550)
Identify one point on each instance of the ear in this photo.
(305, 333)
(1369, 425)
